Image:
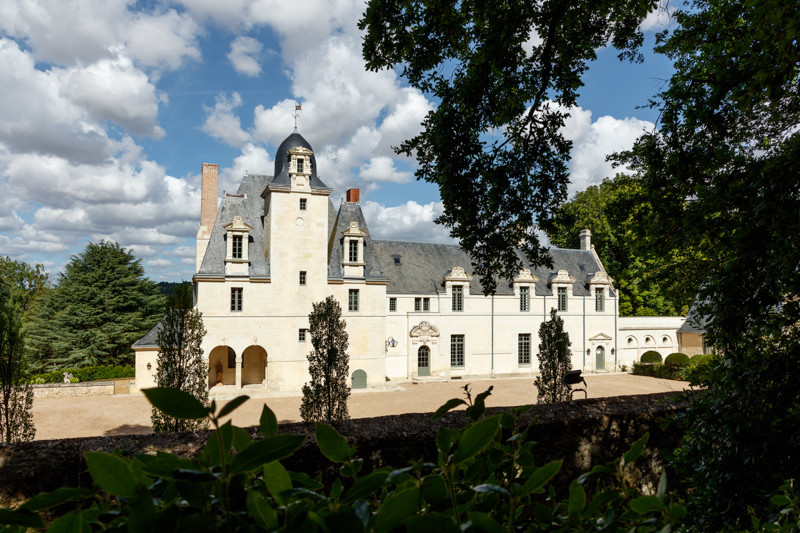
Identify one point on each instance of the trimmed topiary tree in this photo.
(650, 357)
(677, 360)
(555, 360)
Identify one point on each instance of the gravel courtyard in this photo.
(130, 413)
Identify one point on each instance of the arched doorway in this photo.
(254, 366)
(600, 362)
(222, 360)
(424, 361)
(359, 379)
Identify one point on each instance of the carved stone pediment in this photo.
(562, 276)
(525, 276)
(424, 333)
(458, 274)
(300, 150)
(600, 278)
(237, 225)
(600, 337)
(354, 231)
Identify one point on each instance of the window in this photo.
(599, 302)
(524, 299)
(299, 164)
(458, 298)
(302, 277)
(562, 298)
(524, 349)
(236, 299)
(236, 247)
(301, 335)
(302, 204)
(456, 350)
(353, 251)
(392, 304)
(417, 304)
(426, 304)
(352, 300)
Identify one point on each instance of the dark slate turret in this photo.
(281, 176)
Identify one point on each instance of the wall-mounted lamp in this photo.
(391, 343)
(612, 351)
(588, 351)
(149, 366)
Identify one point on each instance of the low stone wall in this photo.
(70, 390)
(583, 433)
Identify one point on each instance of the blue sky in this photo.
(109, 108)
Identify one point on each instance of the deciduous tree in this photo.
(16, 396)
(555, 360)
(25, 283)
(325, 396)
(101, 305)
(181, 364)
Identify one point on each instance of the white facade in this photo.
(413, 310)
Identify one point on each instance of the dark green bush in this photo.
(701, 359)
(677, 360)
(87, 373)
(651, 356)
(656, 370)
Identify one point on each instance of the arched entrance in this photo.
(424, 361)
(359, 379)
(222, 360)
(254, 366)
(600, 358)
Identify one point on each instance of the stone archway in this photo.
(220, 358)
(254, 366)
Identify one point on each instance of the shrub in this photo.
(677, 360)
(87, 373)
(701, 359)
(651, 356)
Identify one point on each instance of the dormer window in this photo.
(352, 255)
(561, 284)
(236, 252)
(523, 284)
(299, 165)
(237, 235)
(353, 250)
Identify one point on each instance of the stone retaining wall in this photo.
(69, 390)
(583, 433)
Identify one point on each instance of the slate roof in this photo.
(694, 323)
(150, 340)
(246, 203)
(281, 175)
(351, 212)
(423, 266)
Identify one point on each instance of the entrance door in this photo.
(600, 363)
(424, 361)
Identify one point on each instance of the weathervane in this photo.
(297, 108)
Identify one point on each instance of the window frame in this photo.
(392, 305)
(599, 301)
(426, 304)
(561, 294)
(302, 333)
(237, 299)
(352, 251)
(457, 304)
(303, 204)
(298, 165)
(237, 246)
(524, 299)
(457, 350)
(303, 278)
(417, 304)
(352, 300)
(524, 349)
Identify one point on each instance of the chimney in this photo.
(586, 239)
(208, 195)
(352, 196)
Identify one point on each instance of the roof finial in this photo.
(297, 108)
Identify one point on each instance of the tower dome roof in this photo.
(281, 176)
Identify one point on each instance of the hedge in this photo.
(87, 373)
(677, 360)
(651, 356)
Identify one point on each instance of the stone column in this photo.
(238, 372)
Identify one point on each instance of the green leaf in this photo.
(489, 488)
(662, 485)
(476, 439)
(61, 495)
(636, 449)
(445, 439)
(479, 406)
(431, 523)
(646, 504)
(266, 451)
(241, 439)
(268, 422)
(577, 500)
(450, 404)
(112, 474)
(332, 444)
(365, 487)
(277, 480)
(176, 403)
(434, 489)
(397, 507)
(72, 522)
(22, 517)
(194, 476)
(259, 509)
(484, 522)
(229, 407)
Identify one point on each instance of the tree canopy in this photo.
(101, 305)
(16, 396)
(654, 277)
(25, 283)
(503, 74)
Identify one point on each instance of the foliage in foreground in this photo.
(16, 395)
(484, 480)
(325, 396)
(555, 360)
(180, 363)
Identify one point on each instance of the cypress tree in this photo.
(325, 396)
(555, 359)
(16, 396)
(181, 364)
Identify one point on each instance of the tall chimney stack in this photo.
(208, 209)
(352, 195)
(586, 239)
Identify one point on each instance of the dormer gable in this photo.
(300, 170)
(237, 237)
(353, 250)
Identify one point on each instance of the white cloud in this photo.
(162, 40)
(222, 123)
(406, 222)
(253, 160)
(245, 54)
(659, 18)
(383, 169)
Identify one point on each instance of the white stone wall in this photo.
(71, 390)
(638, 334)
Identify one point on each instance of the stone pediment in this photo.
(600, 278)
(424, 329)
(600, 337)
(525, 276)
(354, 231)
(562, 276)
(237, 225)
(458, 274)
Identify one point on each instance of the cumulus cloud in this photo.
(222, 122)
(406, 222)
(659, 18)
(383, 169)
(245, 54)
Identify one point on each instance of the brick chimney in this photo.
(586, 239)
(352, 196)
(208, 209)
